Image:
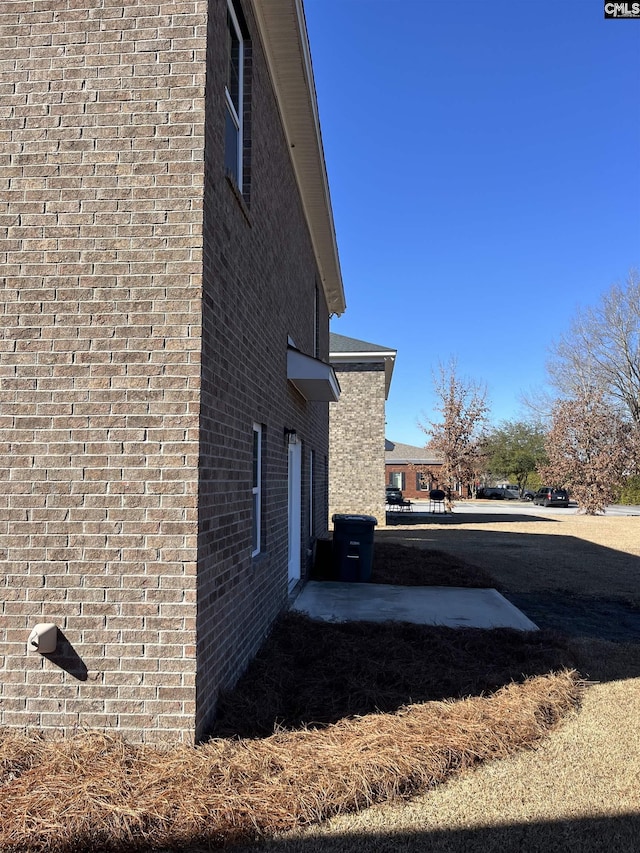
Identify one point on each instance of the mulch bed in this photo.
(310, 673)
(560, 611)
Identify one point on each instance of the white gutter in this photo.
(386, 356)
(284, 37)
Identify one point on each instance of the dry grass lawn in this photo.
(577, 793)
(589, 555)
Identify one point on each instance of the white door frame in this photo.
(294, 511)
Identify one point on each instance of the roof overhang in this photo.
(284, 37)
(389, 460)
(314, 379)
(388, 358)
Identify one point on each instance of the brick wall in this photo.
(259, 289)
(145, 314)
(101, 167)
(409, 491)
(356, 439)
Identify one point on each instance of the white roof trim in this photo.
(388, 357)
(377, 355)
(314, 379)
(284, 37)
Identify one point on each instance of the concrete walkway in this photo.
(334, 601)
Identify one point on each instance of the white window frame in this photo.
(311, 486)
(423, 477)
(397, 480)
(256, 491)
(236, 115)
(316, 312)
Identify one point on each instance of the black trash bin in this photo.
(353, 546)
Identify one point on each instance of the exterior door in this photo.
(295, 511)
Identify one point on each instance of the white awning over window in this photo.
(314, 379)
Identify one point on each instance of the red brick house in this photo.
(418, 470)
(415, 470)
(169, 268)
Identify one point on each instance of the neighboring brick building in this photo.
(415, 470)
(356, 427)
(168, 269)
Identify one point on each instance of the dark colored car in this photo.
(394, 493)
(496, 493)
(528, 495)
(546, 496)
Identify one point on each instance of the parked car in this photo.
(528, 495)
(496, 493)
(395, 500)
(394, 493)
(546, 496)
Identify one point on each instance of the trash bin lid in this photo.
(367, 519)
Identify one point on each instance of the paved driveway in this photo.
(522, 508)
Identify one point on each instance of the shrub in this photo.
(630, 491)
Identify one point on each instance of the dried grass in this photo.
(394, 563)
(577, 553)
(95, 791)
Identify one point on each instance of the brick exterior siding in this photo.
(410, 471)
(145, 313)
(356, 439)
(259, 289)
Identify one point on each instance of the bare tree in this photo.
(457, 437)
(602, 350)
(590, 448)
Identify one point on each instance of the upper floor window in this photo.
(234, 94)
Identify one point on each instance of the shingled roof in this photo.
(341, 344)
(344, 350)
(401, 453)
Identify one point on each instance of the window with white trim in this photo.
(256, 490)
(311, 487)
(234, 93)
(316, 322)
(396, 479)
(423, 482)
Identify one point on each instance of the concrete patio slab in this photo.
(455, 607)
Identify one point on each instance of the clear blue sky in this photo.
(484, 166)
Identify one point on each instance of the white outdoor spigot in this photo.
(44, 638)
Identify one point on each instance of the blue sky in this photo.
(484, 166)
